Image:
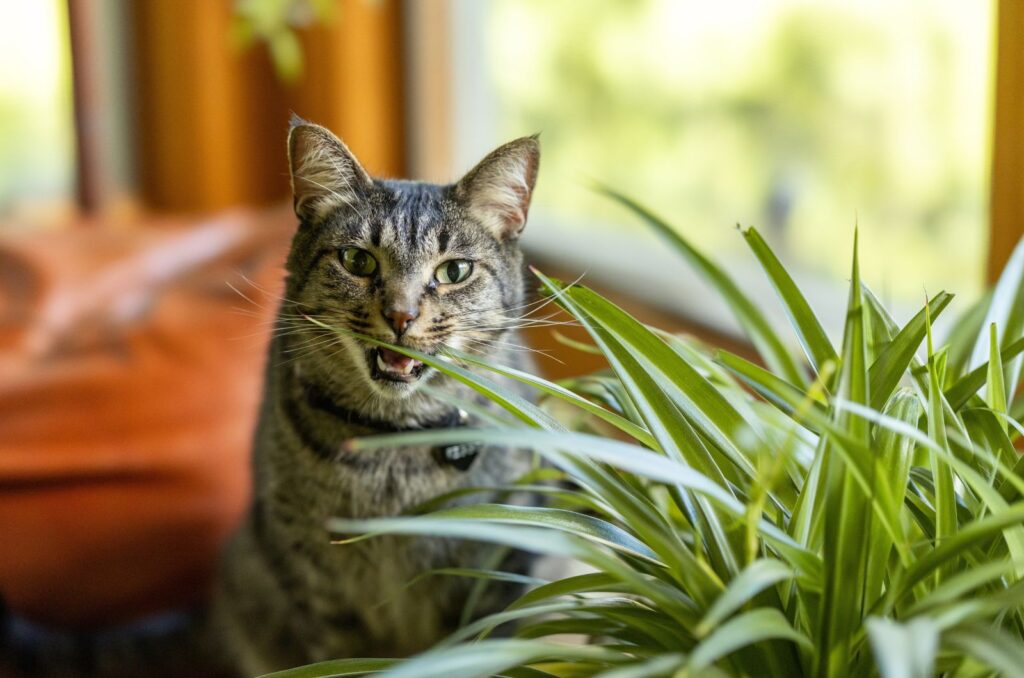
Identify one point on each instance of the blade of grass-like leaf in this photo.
(756, 577)
(531, 539)
(953, 546)
(588, 582)
(572, 343)
(487, 657)
(942, 477)
(567, 495)
(812, 337)
(942, 457)
(661, 665)
(625, 456)
(477, 573)
(895, 359)
(983, 424)
(485, 625)
(904, 650)
(856, 455)
(777, 391)
(959, 393)
(960, 584)
(710, 411)
(1007, 311)
(1001, 603)
(760, 331)
(525, 672)
(970, 475)
(993, 647)
(965, 331)
(847, 518)
(590, 528)
(674, 433)
(336, 667)
(624, 425)
(995, 391)
(892, 466)
(741, 631)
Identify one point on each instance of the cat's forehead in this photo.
(411, 217)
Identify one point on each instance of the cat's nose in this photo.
(399, 318)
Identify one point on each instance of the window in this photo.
(36, 128)
(798, 117)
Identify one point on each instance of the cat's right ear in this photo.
(325, 174)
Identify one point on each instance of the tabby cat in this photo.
(421, 265)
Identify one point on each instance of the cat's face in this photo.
(414, 264)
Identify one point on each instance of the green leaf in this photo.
(993, 647)
(995, 391)
(590, 528)
(904, 650)
(749, 316)
(582, 583)
(740, 631)
(959, 393)
(336, 667)
(956, 544)
(624, 425)
(661, 665)
(780, 393)
(755, 578)
(960, 584)
(623, 455)
(847, 523)
(942, 477)
(487, 657)
(892, 363)
(1007, 311)
(812, 337)
(711, 413)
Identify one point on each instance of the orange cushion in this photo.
(130, 374)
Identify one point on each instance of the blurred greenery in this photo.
(274, 23)
(798, 117)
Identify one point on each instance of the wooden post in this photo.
(212, 119)
(1007, 208)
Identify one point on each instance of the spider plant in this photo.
(856, 510)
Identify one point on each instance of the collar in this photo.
(459, 456)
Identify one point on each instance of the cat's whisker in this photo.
(518, 325)
(268, 294)
(309, 351)
(511, 347)
(310, 344)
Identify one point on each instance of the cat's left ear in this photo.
(497, 191)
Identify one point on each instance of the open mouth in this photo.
(388, 365)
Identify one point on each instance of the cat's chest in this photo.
(379, 483)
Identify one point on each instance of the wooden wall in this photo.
(211, 118)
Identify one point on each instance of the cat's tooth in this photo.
(381, 365)
(407, 369)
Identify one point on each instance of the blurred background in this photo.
(144, 209)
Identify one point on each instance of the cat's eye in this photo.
(358, 262)
(454, 271)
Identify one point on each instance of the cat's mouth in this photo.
(388, 365)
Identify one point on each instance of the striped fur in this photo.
(286, 596)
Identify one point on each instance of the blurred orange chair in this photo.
(131, 365)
